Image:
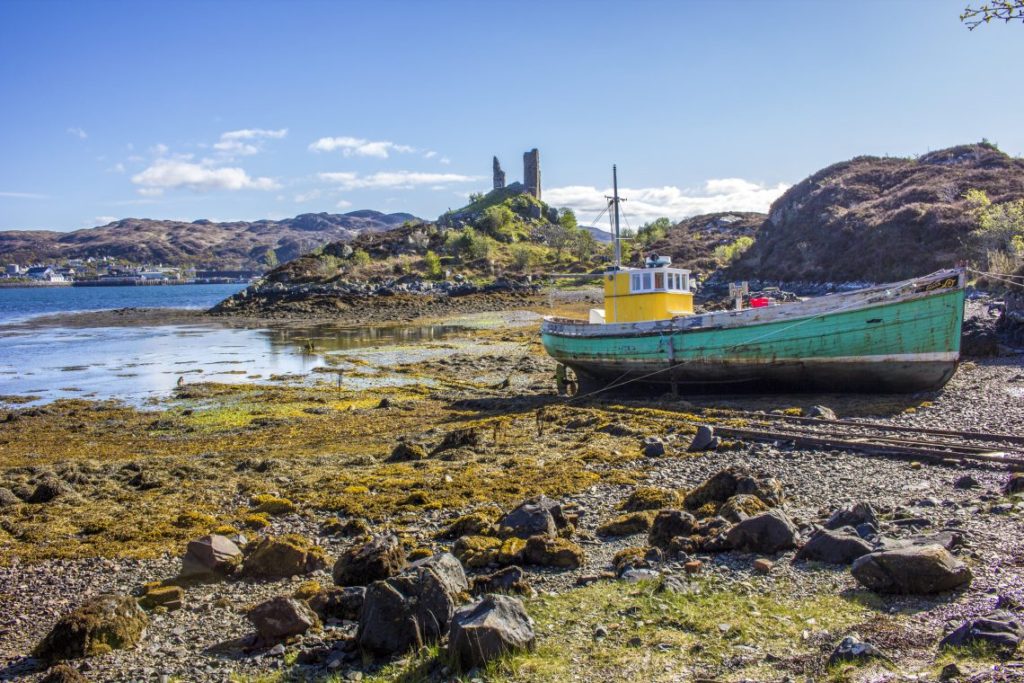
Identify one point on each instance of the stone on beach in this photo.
(376, 559)
(284, 556)
(915, 570)
(768, 532)
(412, 609)
(211, 556)
(101, 624)
(492, 627)
(281, 617)
(840, 546)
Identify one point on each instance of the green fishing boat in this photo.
(899, 337)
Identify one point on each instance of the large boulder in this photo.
(412, 609)
(914, 570)
(669, 524)
(210, 557)
(494, 626)
(768, 532)
(284, 556)
(1015, 484)
(553, 552)
(280, 617)
(100, 625)
(841, 546)
(1001, 630)
(338, 603)
(376, 559)
(533, 517)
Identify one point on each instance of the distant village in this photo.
(99, 271)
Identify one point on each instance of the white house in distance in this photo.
(44, 274)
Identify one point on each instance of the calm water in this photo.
(135, 364)
(21, 303)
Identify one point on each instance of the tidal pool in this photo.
(135, 364)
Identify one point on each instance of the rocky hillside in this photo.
(692, 242)
(880, 219)
(202, 243)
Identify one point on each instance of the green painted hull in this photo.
(875, 342)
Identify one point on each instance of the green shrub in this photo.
(360, 258)
(432, 264)
(728, 253)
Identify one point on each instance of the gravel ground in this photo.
(984, 395)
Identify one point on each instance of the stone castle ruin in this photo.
(531, 173)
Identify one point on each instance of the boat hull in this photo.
(899, 338)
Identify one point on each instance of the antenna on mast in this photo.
(614, 199)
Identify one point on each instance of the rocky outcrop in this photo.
(494, 626)
(101, 624)
(915, 570)
(210, 557)
(281, 617)
(1001, 630)
(841, 546)
(376, 559)
(284, 556)
(768, 532)
(412, 609)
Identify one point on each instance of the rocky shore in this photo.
(310, 531)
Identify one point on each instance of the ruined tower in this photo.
(499, 175)
(531, 172)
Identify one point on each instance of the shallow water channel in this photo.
(136, 364)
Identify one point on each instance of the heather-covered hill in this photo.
(880, 219)
(697, 242)
(201, 243)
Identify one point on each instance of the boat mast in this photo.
(615, 201)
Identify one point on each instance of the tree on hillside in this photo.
(998, 240)
(583, 245)
(559, 236)
(1000, 10)
(649, 233)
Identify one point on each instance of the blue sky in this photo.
(231, 110)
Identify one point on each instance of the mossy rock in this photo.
(256, 520)
(284, 556)
(407, 451)
(741, 506)
(629, 557)
(650, 498)
(511, 550)
(191, 519)
(420, 554)
(272, 505)
(628, 524)
(307, 589)
(100, 625)
(168, 597)
(553, 552)
(477, 551)
(64, 673)
(472, 524)
(356, 526)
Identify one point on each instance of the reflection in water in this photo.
(137, 363)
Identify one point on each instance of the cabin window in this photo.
(659, 280)
(646, 281)
(635, 286)
(686, 283)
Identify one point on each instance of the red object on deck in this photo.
(759, 302)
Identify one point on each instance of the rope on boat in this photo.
(1010, 279)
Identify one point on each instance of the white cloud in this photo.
(174, 173)
(349, 146)
(247, 141)
(429, 154)
(395, 179)
(343, 204)
(78, 132)
(104, 220)
(159, 149)
(23, 195)
(303, 197)
(116, 168)
(646, 204)
(444, 160)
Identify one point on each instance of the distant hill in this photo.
(879, 218)
(202, 243)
